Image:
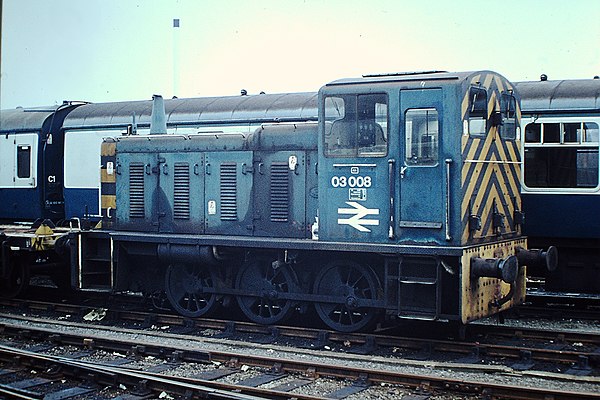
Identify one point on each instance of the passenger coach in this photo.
(560, 186)
(31, 154)
(31, 191)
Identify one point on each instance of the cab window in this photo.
(422, 134)
(508, 111)
(356, 125)
(478, 112)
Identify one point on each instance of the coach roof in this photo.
(563, 95)
(25, 119)
(204, 110)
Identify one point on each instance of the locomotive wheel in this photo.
(266, 284)
(17, 281)
(350, 282)
(190, 289)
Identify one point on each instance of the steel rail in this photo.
(114, 375)
(416, 381)
(362, 339)
(305, 333)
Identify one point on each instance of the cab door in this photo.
(422, 168)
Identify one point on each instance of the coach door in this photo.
(422, 169)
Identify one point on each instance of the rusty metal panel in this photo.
(478, 294)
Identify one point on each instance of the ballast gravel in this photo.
(503, 376)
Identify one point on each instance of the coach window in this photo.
(533, 133)
(477, 111)
(572, 132)
(566, 157)
(551, 133)
(590, 132)
(356, 125)
(23, 161)
(508, 110)
(422, 133)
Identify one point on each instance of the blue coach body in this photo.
(31, 153)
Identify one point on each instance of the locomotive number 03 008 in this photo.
(352, 181)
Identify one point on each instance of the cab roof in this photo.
(416, 76)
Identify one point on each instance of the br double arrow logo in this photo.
(357, 220)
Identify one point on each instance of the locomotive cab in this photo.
(425, 168)
(381, 163)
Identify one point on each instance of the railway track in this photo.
(539, 304)
(495, 350)
(570, 352)
(88, 378)
(558, 305)
(271, 367)
(35, 376)
(556, 312)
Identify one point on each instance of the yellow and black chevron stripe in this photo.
(108, 181)
(490, 170)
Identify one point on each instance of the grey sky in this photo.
(113, 50)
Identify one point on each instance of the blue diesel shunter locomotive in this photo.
(560, 185)
(402, 201)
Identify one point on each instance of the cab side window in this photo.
(356, 125)
(508, 111)
(478, 112)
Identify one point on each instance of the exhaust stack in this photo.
(158, 121)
